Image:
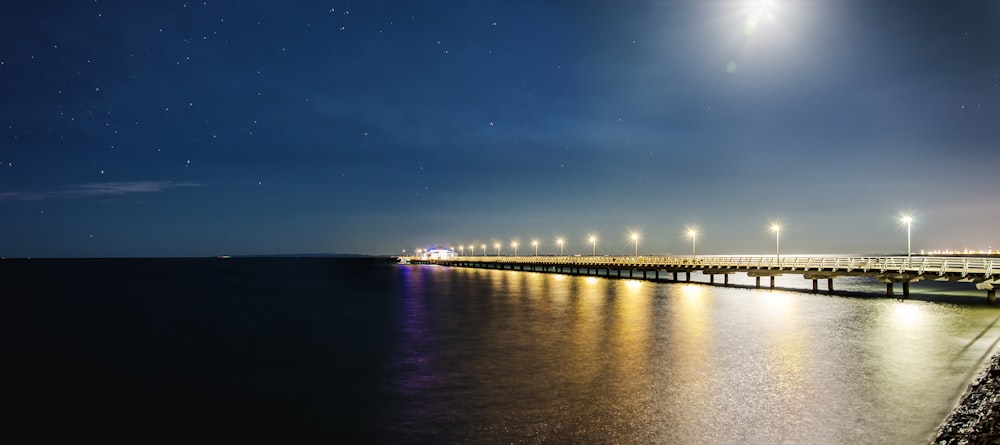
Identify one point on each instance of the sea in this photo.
(363, 350)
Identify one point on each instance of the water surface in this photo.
(521, 356)
(322, 350)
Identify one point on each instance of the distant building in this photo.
(438, 253)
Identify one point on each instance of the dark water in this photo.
(347, 351)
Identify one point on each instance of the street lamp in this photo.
(497, 245)
(461, 250)
(777, 241)
(484, 250)
(472, 249)
(694, 242)
(514, 245)
(908, 220)
(635, 237)
(593, 240)
(559, 241)
(534, 242)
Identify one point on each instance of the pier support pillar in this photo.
(675, 276)
(687, 276)
(829, 284)
(991, 296)
(657, 275)
(711, 279)
(619, 272)
(758, 282)
(630, 273)
(772, 281)
(725, 279)
(906, 289)
(888, 289)
(643, 275)
(815, 285)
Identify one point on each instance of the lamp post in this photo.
(497, 245)
(472, 249)
(559, 241)
(694, 242)
(593, 240)
(461, 250)
(513, 244)
(534, 242)
(777, 241)
(484, 249)
(909, 221)
(635, 237)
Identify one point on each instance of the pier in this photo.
(983, 272)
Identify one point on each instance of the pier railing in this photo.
(972, 268)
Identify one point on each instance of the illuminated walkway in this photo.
(984, 272)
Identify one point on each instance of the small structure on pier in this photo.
(438, 253)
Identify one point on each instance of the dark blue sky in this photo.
(204, 128)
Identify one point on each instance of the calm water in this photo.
(321, 350)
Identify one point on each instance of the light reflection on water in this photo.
(503, 356)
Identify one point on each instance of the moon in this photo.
(758, 11)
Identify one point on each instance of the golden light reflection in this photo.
(557, 288)
(691, 327)
(778, 306)
(585, 334)
(692, 291)
(590, 280)
(692, 322)
(631, 327)
(789, 349)
(633, 284)
(907, 315)
(534, 280)
(906, 338)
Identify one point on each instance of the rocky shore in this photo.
(976, 419)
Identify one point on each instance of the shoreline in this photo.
(976, 418)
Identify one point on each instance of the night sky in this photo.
(255, 127)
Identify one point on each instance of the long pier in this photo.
(983, 272)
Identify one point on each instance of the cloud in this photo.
(96, 189)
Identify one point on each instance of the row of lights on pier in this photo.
(691, 232)
(634, 236)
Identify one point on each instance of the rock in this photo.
(976, 419)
